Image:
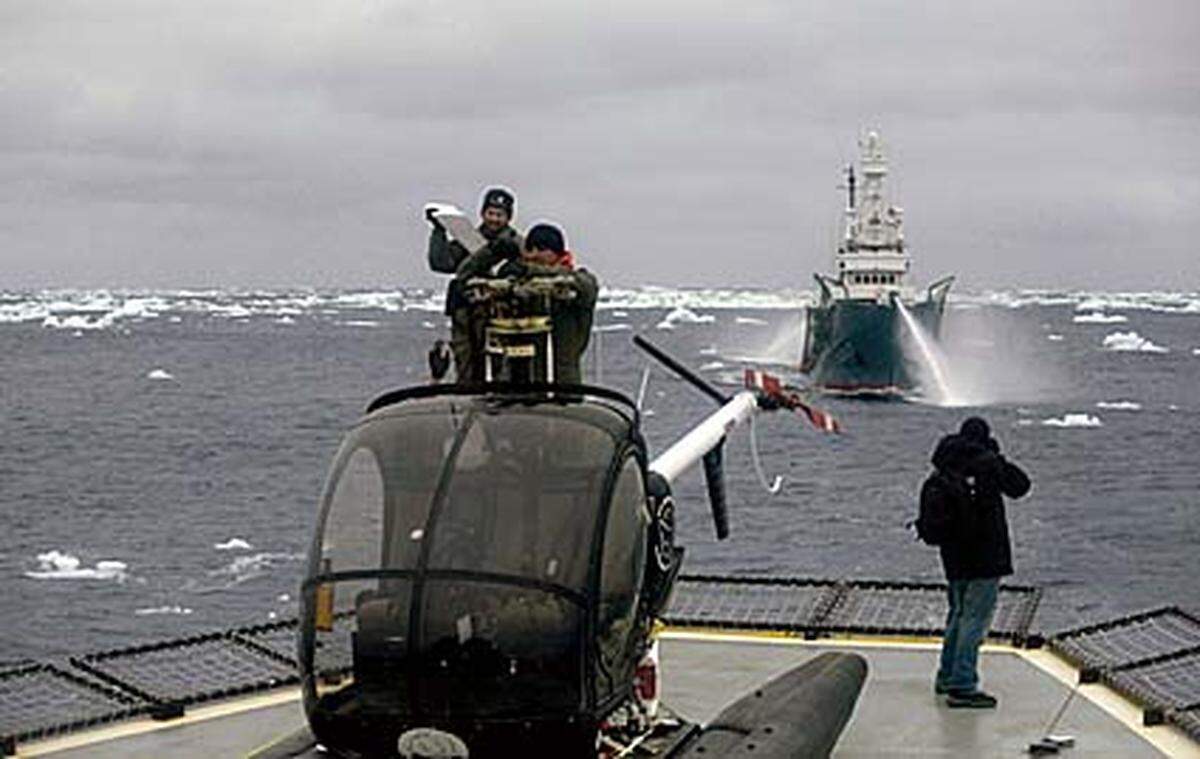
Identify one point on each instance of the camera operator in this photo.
(446, 256)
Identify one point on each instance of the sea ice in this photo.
(684, 315)
(1120, 405)
(1131, 341)
(1097, 317)
(56, 565)
(1074, 420)
(160, 374)
(233, 544)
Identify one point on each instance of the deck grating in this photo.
(41, 700)
(192, 669)
(1188, 721)
(1153, 657)
(1124, 641)
(1172, 683)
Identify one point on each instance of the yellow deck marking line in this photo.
(147, 725)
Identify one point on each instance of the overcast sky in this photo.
(153, 143)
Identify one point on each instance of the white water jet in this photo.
(930, 356)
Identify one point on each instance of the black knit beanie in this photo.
(498, 197)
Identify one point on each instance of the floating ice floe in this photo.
(1120, 405)
(183, 610)
(1097, 317)
(56, 565)
(1054, 338)
(751, 320)
(1074, 420)
(684, 315)
(1131, 341)
(160, 374)
(233, 544)
(712, 366)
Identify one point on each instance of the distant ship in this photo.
(855, 338)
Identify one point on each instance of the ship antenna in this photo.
(850, 185)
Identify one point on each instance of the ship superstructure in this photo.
(855, 341)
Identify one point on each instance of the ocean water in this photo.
(162, 453)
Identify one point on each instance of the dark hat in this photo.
(545, 237)
(975, 428)
(498, 197)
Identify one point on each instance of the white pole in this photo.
(691, 447)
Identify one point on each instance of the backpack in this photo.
(944, 505)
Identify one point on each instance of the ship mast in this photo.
(872, 261)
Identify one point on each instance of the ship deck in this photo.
(1136, 679)
(897, 713)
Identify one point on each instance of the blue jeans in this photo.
(972, 605)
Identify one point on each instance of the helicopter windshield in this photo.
(453, 555)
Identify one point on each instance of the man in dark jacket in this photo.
(445, 256)
(976, 556)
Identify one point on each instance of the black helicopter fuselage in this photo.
(493, 558)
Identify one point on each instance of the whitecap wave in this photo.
(153, 610)
(684, 315)
(160, 375)
(1097, 317)
(712, 366)
(1073, 420)
(57, 565)
(233, 544)
(1120, 405)
(1055, 338)
(751, 320)
(1131, 341)
(360, 323)
(612, 328)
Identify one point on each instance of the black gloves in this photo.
(431, 217)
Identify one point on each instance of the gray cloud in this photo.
(169, 143)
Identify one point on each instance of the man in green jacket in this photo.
(446, 256)
(546, 254)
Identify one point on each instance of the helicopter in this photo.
(491, 559)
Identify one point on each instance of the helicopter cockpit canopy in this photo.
(478, 556)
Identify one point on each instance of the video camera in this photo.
(519, 327)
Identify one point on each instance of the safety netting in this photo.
(819, 607)
(1126, 640)
(41, 700)
(191, 670)
(1152, 657)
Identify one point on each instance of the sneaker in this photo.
(970, 700)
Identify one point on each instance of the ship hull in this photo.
(857, 347)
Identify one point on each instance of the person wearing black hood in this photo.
(976, 557)
(445, 256)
